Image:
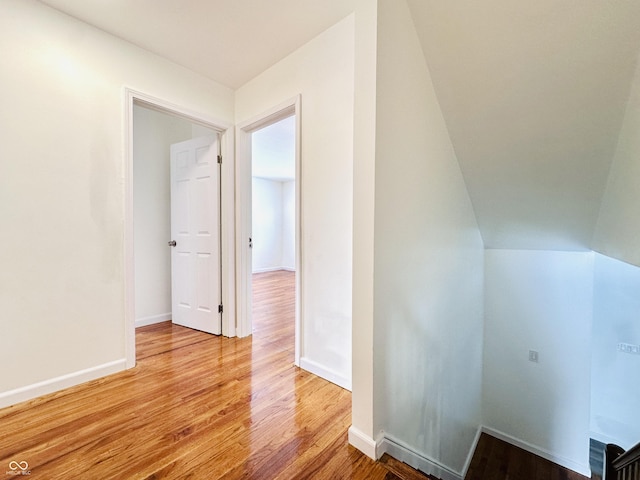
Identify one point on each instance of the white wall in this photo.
(615, 390)
(62, 195)
(428, 273)
(322, 72)
(361, 433)
(153, 133)
(542, 301)
(266, 222)
(618, 227)
(273, 225)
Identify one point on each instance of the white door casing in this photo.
(226, 136)
(244, 131)
(195, 229)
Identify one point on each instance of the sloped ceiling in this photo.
(533, 92)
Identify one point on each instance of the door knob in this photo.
(172, 243)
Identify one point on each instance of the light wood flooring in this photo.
(196, 406)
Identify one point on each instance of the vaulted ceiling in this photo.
(533, 93)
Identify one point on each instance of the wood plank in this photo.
(498, 460)
(201, 406)
(403, 471)
(196, 406)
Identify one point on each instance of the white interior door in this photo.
(195, 235)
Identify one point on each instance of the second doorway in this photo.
(273, 231)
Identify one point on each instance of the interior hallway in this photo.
(196, 405)
(202, 406)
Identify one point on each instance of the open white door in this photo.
(196, 295)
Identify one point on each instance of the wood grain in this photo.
(498, 460)
(200, 406)
(196, 406)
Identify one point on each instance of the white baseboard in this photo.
(144, 321)
(400, 451)
(326, 373)
(363, 442)
(35, 390)
(474, 445)
(273, 269)
(541, 452)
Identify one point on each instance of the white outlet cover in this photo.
(629, 348)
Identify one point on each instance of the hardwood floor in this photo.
(200, 406)
(274, 309)
(498, 460)
(195, 406)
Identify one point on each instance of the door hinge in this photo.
(220, 159)
(220, 308)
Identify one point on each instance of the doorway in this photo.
(273, 227)
(147, 210)
(269, 213)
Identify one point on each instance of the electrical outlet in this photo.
(629, 348)
(533, 356)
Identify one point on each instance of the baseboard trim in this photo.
(472, 451)
(273, 269)
(363, 442)
(326, 373)
(401, 451)
(150, 320)
(577, 467)
(38, 389)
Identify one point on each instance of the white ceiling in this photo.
(229, 41)
(533, 92)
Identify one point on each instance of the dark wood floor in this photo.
(498, 460)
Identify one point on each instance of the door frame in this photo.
(226, 135)
(243, 215)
